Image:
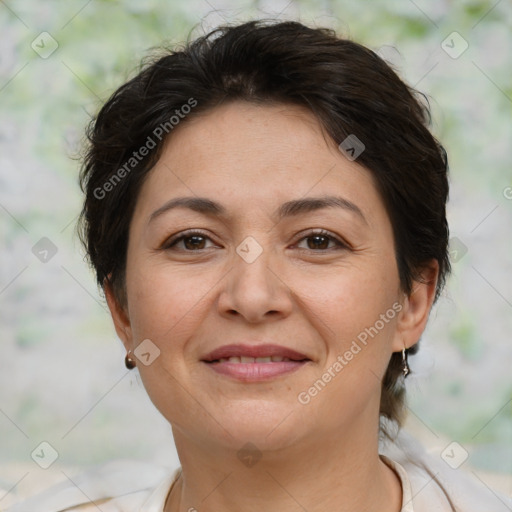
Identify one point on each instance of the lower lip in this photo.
(254, 372)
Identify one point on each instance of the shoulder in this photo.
(121, 485)
(435, 486)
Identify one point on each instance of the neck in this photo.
(343, 474)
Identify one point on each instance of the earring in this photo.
(129, 361)
(405, 365)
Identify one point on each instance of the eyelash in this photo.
(170, 243)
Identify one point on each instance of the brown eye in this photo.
(319, 241)
(194, 242)
(191, 241)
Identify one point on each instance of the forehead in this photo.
(252, 155)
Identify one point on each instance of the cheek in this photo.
(164, 301)
(357, 320)
(349, 300)
(347, 310)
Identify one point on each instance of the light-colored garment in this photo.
(428, 485)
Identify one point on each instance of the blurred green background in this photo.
(62, 378)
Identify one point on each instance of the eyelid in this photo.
(172, 240)
(341, 243)
(169, 241)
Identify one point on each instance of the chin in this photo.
(268, 425)
(265, 424)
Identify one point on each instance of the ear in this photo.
(416, 308)
(119, 315)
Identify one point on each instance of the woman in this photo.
(265, 212)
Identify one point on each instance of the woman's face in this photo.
(261, 263)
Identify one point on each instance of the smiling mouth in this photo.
(247, 369)
(254, 363)
(250, 360)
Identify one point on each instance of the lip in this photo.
(239, 350)
(254, 371)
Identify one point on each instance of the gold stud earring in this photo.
(129, 361)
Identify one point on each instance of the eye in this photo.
(191, 241)
(194, 241)
(319, 241)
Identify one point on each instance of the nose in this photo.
(255, 290)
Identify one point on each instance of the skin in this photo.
(316, 298)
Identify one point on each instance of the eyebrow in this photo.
(292, 208)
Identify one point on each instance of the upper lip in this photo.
(239, 350)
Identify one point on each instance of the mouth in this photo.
(252, 363)
(250, 360)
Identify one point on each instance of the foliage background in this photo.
(62, 378)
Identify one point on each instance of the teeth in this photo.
(247, 359)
